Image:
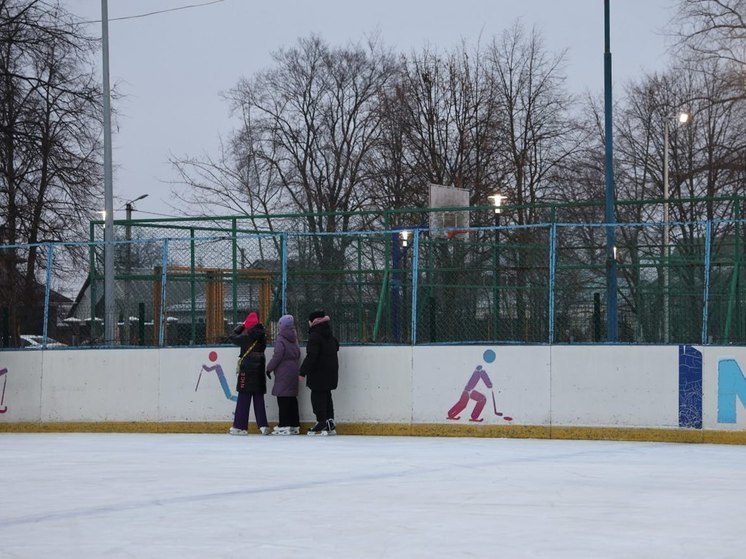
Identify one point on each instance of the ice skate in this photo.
(265, 431)
(330, 428)
(316, 429)
(287, 431)
(238, 432)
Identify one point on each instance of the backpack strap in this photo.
(245, 354)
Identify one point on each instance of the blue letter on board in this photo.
(731, 384)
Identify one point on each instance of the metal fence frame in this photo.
(405, 311)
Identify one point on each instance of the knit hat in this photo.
(316, 314)
(251, 320)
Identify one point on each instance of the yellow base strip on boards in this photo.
(400, 429)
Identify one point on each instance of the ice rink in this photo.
(207, 496)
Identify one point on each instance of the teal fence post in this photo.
(706, 295)
(284, 272)
(234, 272)
(415, 282)
(360, 308)
(92, 279)
(552, 270)
(164, 275)
(47, 291)
(193, 286)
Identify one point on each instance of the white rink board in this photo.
(22, 399)
(589, 386)
(375, 385)
(112, 385)
(615, 386)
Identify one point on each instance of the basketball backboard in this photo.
(442, 196)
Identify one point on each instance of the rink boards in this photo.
(672, 393)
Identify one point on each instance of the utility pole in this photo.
(110, 319)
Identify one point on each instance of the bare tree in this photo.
(713, 29)
(538, 139)
(49, 145)
(441, 128)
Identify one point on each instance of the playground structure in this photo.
(214, 310)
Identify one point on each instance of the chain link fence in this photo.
(510, 284)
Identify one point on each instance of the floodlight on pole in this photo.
(497, 202)
(681, 118)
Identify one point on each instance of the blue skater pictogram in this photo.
(213, 357)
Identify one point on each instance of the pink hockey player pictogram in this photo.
(470, 392)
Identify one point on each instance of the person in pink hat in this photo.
(251, 384)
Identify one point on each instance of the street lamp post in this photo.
(682, 118)
(612, 326)
(497, 200)
(129, 207)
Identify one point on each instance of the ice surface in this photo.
(182, 496)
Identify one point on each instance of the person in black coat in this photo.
(321, 369)
(251, 384)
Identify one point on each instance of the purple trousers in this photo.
(243, 404)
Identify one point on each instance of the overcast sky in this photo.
(172, 66)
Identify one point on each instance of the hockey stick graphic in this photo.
(499, 413)
(494, 405)
(198, 379)
(3, 409)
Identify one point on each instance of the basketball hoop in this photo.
(453, 233)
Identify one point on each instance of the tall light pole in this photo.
(611, 265)
(110, 319)
(129, 206)
(682, 118)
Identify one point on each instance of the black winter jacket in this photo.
(321, 366)
(253, 365)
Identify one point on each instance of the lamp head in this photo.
(497, 201)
